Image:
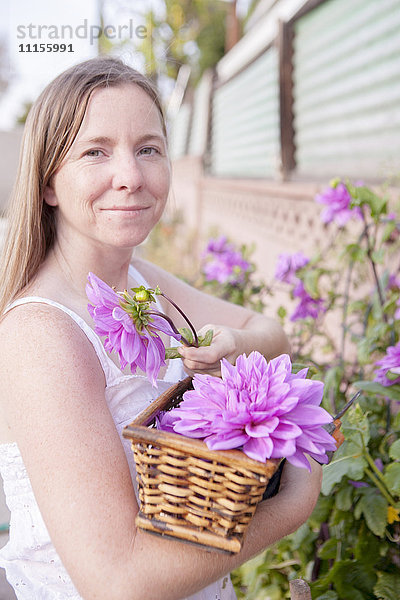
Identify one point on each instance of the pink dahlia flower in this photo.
(337, 205)
(258, 406)
(136, 342)
(390, 363)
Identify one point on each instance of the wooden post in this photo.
(232, 35)
(299, 590)
(285, 49)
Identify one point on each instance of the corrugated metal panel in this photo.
(201, 109)
(245, 121)
(179, 132)
(347, 89)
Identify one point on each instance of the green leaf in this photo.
(205, 340)
(351, 579)
(372, 387)
(391, 375)
(378, 256)
(357, 305)
(328, 549)
(329, 595)
(363, 195)
(389, 229)
(387, 586)
(296, 367)
(311, 279)
(187, 334)
(172, 353)
(356, 420)
(396, 423)
(344, 498)
(348, 462)
(374, 508)
(322, 511)
(392, 477)
(304, 537)
(364, 351)
(367, 548)
(282, 312)
(394, 450)
(355, 253)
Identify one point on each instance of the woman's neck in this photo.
(63, 278)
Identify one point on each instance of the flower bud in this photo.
(142, 296)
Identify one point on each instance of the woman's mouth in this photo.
(125, 210)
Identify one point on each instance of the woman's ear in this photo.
(49, 196)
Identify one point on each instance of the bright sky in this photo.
(25, 24)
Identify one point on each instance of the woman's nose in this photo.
(127, 174)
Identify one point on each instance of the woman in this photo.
(93, 181)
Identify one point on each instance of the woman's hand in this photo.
(206, 359)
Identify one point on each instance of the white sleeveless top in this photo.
(32, 565)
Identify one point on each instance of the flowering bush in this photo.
(227, 272)
(388, 372)
(349, 548)
(223, 263)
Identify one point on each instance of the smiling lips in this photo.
(126, 208)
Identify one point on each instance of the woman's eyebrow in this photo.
(107, 140)
(101, 139)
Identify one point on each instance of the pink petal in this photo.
(263, 429)
(283, 448)
(259, 448)
(226, 441)
(299, 460)
(307, 414)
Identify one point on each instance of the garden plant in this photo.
(343, 315)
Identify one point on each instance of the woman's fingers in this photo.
(206, 358)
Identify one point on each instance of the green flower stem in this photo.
(380, 487)
(373, 265)
(345, 312)
(375, 474)
(180, 311)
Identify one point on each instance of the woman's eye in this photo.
(93, 153)
(149, 151)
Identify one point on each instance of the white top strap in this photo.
(111, 370)
(109, 367)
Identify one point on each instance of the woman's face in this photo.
(113, 184)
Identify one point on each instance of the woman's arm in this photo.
(237, 330)
(52, 395)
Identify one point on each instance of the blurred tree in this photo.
(179, 32)
(4, 68)
(194, 34)
(24, 113)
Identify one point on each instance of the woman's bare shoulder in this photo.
(42, 345)
(34, 323)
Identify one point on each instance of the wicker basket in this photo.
(189, 492)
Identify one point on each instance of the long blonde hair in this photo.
(50, 129)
